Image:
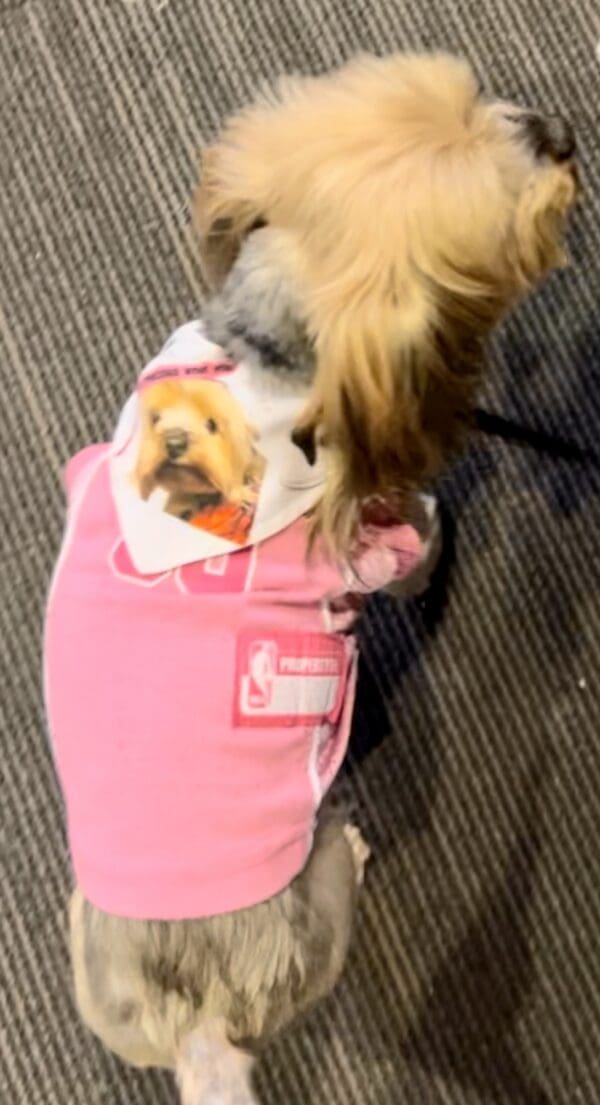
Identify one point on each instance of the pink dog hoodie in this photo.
(200, 686)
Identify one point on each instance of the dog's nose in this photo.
(176, 443)
(552, 136)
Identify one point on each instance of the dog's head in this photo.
(195, 441)
(409, 212)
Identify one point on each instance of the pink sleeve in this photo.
(385, 553)
(76, 467)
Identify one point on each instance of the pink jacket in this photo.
(199, 713)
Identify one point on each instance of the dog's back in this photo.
(199, 996)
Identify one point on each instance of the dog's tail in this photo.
(212, 1071)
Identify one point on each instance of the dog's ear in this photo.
(304, 437)
(389, 399)
(540, 221)
(221, 215)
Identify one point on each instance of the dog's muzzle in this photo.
(176, 443)
(551, 136)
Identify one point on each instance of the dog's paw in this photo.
(360, 851)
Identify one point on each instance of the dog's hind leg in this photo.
(330, 884)
(110, 988)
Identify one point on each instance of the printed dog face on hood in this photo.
(197, 445)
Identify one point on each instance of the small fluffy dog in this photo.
(363, 232)
(407, 213)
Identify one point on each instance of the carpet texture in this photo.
(475, 975)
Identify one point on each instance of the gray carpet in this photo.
(475, 972)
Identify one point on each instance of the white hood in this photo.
(242, 449)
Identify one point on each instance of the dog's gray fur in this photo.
(145, 988)
(256, 317)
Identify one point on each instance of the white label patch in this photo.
(287, 678)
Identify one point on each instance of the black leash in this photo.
(494, 425)
(433, 602)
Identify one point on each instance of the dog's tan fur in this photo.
(408, 214)
(411, 214)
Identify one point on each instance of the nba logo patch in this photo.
(261, 675)
(288, 678)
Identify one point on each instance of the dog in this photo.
(407, 214)
(363, 232)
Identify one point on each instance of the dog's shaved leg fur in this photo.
(150, 989)
(211, 1071)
